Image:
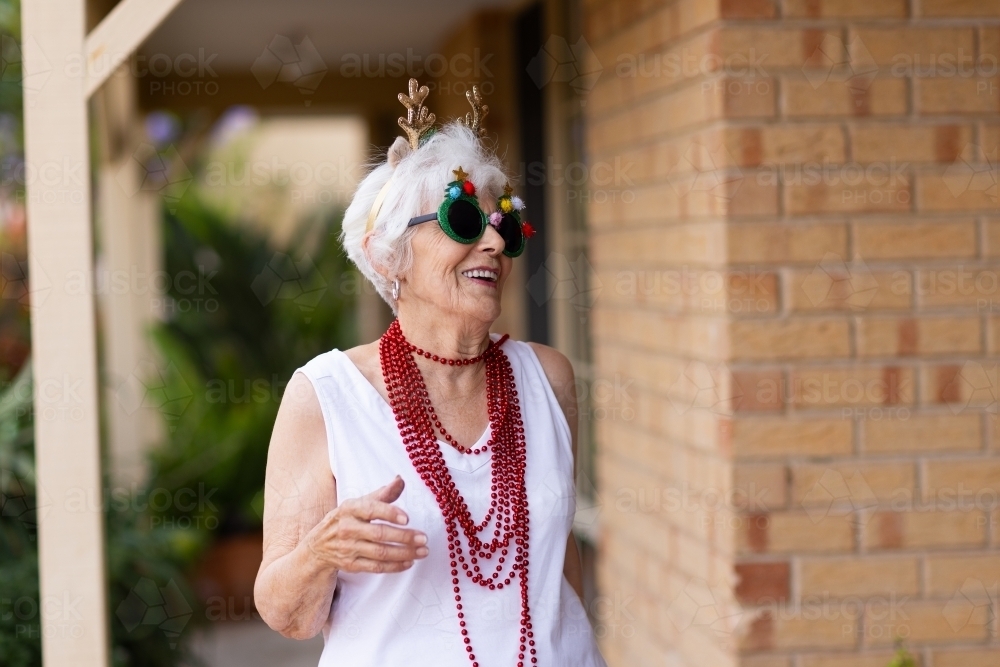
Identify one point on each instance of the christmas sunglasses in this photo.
(463, 220)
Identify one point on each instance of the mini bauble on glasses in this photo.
(463, 219)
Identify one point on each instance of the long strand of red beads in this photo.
(453, 362)
(508, 513)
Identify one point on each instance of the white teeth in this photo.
(480, 273)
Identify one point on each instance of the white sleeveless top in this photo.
(409, 618)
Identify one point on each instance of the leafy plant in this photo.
(136, 553)
(903, 658)
(20, 632)
(242, 319)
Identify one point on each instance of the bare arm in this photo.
(308, 538)
(559, 372)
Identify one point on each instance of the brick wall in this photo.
(658, 237)
(803, 299)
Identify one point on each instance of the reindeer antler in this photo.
(418, 119)
(474, 119)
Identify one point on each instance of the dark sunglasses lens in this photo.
(465, 219)
(510, 231)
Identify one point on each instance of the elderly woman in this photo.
(419, 493)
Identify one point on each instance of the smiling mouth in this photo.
(483, 275)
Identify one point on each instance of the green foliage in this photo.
(225, 369)
(243, 317)
(20, 632)
(11, 54)
(135, 553)
(903, 658)
(139, 555)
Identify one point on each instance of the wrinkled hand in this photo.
(347, 539)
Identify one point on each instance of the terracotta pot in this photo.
(224, 577)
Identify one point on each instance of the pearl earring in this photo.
(395, 290)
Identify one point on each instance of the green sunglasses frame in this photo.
(441, 215)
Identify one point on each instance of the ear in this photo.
(400, 148)
(379, 269)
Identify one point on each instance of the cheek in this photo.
(506, 265)
(435, 256)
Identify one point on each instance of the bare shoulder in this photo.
(366, 358)
(559, 372)
(298, 440)
(299, 410)
(557, 367)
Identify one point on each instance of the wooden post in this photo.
(73, 604)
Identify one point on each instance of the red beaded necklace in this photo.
(508, 513)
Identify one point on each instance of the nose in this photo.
(491, 242)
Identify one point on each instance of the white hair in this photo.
(419, 180)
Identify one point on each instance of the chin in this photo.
(487, 309)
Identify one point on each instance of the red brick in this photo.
(763, 583)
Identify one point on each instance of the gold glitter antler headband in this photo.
(474, 119)
(418, 119)
(419, 124)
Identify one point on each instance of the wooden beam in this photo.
(63, 342)
(119, 34)
(335, 94)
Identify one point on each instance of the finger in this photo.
(378, 566)
(367, 509)
(381, 532)
(390, 492)
(389, 552)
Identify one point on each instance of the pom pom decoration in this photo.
(495, 218)
(469, 188)
(527, 229)
(454, 192)
(518, 203)
(505, 205)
